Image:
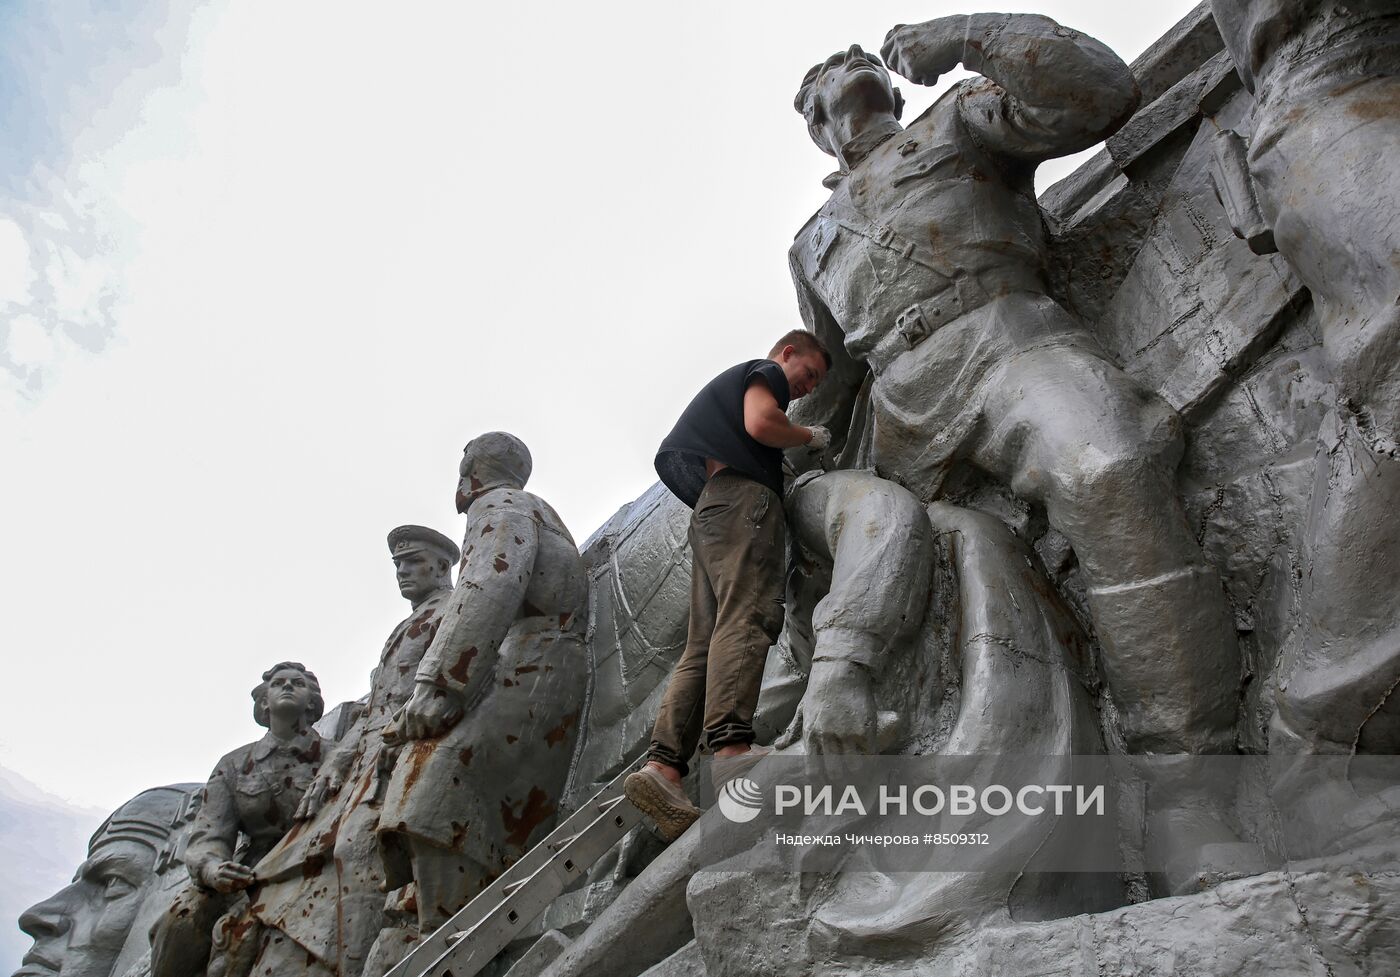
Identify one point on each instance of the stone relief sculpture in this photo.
(251, 796)
(929, 262)
(1319, 186)
(93, 927)
(1071, 421)
(488, 734)
(324, 886)
(1019, 684)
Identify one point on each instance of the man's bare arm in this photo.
(831, 405)
(766, 422)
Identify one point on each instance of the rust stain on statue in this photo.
(537, 809)
(1374, 109)
(418, 754)
(465, 756)
(501, 565)
(558, 733)
(458, 671)
(420, 624)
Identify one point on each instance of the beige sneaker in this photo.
(658, 798)
(725, 769)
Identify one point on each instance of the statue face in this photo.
(468, 485)
(852, 84)
(80, 930)
(419, 574)
(289, 693)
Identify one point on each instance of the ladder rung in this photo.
(564, 842)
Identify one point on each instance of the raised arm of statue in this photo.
(1056, 91)
(498, 560)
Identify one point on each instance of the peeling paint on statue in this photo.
(507, 668)
(324, 885)
(252, 794)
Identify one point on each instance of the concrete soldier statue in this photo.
(81, 930)
(490, 728)
(1322, 159)
(928, 265)
(337, 924)
(253, 792)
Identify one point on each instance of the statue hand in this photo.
(227, 876)
(793, 733)
(838, 710)
(923, 52)
(431, 712)
(326, 785)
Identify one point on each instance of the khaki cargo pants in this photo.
(738, 568)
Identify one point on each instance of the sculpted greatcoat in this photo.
(490, 786)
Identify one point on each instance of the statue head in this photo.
(423, 561)
(288, 689)
(80, 930)
(842, 93)
(494, 460)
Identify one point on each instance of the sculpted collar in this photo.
(858, 147)
(304, 746)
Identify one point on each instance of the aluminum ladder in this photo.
(482, 928)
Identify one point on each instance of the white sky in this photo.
(279, 275)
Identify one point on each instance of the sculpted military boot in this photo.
(1171, 656)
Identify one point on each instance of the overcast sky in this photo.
(266, 266)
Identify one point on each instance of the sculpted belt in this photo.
(964, 294)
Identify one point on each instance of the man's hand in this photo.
(838, 710)
(821, 439)
(227, 876)
(431, 712)
(923, 52)
(326, 785)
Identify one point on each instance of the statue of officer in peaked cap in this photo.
(491, 723)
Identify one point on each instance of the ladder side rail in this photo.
(434, 946)
(468, 955)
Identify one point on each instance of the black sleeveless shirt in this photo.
(713, 427)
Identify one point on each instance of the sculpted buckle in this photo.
(912, 325)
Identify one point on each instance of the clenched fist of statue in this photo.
(838, 709)
(431, 712)
(923, 52)
(227, 876)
